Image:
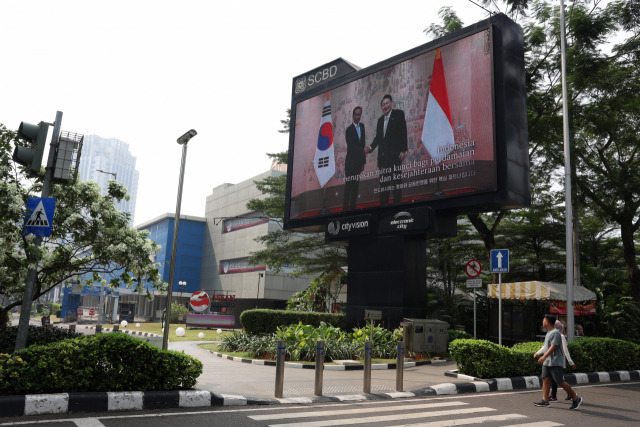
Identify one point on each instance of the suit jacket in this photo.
(355, 160)
(394, 142)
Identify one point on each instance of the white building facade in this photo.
(228, 242)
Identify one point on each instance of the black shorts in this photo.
(554, 372)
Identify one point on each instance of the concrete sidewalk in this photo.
(243, 378)
(224, 376)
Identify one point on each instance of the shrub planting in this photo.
(36, 335)
(485, 359)
(300, 342)
(103, 362)
(263, 321)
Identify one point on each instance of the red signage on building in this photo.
(199, 301)
(221, 297)
(560, 307)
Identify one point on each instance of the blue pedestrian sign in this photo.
(39, 216)
(500, 260)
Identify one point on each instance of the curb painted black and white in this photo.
(534, 382)
(355, 367)
(127, 331)
(62, 403)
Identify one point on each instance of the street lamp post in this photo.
(258, 291)
(183, 140)
(182, 285)
(101, 299)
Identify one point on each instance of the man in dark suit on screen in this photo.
(354, 161)
(391, 141)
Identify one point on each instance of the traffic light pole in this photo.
(25, 310)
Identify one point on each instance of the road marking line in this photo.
(465, 421)
(538, 424)
(87, 422)
(353, 411)
(384, 418)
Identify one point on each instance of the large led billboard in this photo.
(443, 125)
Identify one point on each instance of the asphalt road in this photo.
(607, 405)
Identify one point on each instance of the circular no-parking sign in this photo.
(199, 301)
(473, 268)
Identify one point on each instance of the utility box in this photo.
(428, 335)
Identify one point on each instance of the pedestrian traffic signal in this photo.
(36, 135)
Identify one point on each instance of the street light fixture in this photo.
(101, 299)
(183, 140)
(115, 175)
(182, 285)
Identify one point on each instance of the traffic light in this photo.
(36, 135)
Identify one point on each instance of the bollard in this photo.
(366, 388)
(280, 368)
(400, 366)
(98, 329)
(116, 328)
(319, 366)
(72, 328)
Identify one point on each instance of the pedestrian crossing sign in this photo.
(39, 216)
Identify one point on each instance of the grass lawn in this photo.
(191, 334)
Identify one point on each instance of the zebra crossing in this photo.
(433, 414)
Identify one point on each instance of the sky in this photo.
(145, 72)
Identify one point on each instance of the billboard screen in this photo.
(418, 129)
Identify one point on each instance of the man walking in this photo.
(552, 362)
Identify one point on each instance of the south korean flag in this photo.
(324, 161)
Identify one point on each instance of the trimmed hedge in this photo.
(480, 358)
(263, 321)
(103, 362)
(454, 334)
(485, 359)
(36, 335)
(604, 354)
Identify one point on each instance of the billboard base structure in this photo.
(387, 273)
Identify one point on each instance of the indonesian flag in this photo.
(437, 132)
(324, 162)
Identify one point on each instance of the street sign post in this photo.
(474, 283)
(372, 315)
(39, 216)
(500, 264)
(500, 260)
(473, 268)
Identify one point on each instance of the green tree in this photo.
(450, 23)
(88, 237)
(536, 235)
(446, 260)
(306, 254)
(604, 108)
(321, 295)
